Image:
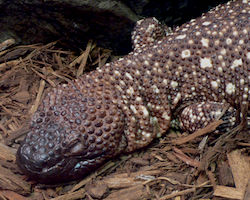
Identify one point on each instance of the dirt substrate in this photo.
(201, 165)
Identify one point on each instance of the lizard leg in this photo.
(199, 115)
(147, 32)
(146, 116)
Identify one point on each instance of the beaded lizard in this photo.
(202, 66)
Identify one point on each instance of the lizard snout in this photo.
(70, 135)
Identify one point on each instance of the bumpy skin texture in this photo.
(124, 105)
(147, 32)
(199, 115)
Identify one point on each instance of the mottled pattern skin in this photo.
(125, 104)
(147, 32)
(199, 115)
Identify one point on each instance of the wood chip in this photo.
(97, 190)
(228, 192)
(22, 96)
(84, 59)
(186, 159)
(10, 195)
(38, 97)
(10, 181)
(80, 194)
(183, 192)
(7, 153)
(132, 193)
(240, 166)
(116, 182)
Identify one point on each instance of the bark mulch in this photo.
(201, 165)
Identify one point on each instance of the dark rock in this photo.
(109, 22)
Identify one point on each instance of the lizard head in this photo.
(73, 131)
